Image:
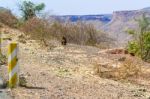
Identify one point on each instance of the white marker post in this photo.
(13, 68)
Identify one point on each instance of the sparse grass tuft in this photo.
(62, 72)
(3, 59)
(22, 81)
(22, 38)
(128, 68)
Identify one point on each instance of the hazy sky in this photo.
(82, 7)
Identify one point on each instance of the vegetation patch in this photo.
(3, 59)
(140, 45)
(62, 72)
(128, 68)
(7, 18)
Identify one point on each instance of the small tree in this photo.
(30, 10)
(141, 43)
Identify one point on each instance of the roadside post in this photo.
(13, 68)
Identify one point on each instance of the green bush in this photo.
(146, 46)
(133, 47)
(140, 46)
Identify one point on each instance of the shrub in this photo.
(37, 29)
(7, 18)
(140, 46)
(133, 47)
(77, 33)
(128, 68)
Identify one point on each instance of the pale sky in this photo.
(82, 7)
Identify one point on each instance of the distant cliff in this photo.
(122, 21)
(97, 20)
(115, 25)
(74, 18)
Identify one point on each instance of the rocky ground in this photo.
(66, 72)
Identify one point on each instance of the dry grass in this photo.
(7, 18)
(77, 33)
(37, 29)
(130, 67)
(80, 33)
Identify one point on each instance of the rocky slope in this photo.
(66, 72)
(121, 22)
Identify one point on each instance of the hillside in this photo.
(121, 22)
(97, 20)
(49, 69)
(67, 72)
(115, 24)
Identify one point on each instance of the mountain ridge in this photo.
(100, 17)
(115, 24)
